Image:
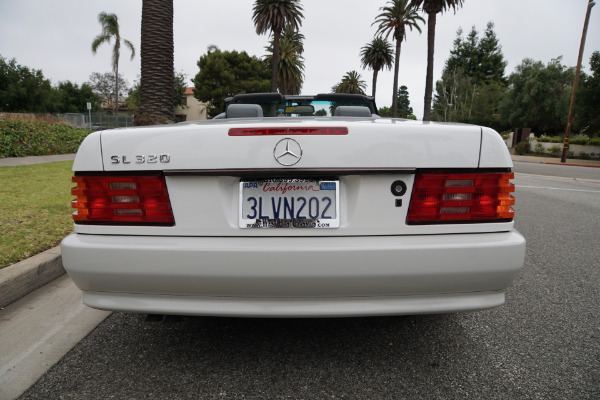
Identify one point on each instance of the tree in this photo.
(377, 55)
(350, 83)
(385, 112)
(395, 19)
(26, 90)
(404, 108)
(481, 59)
(156, 81)
(538, 96)
(292, 35)
(70, 98)
(179, 85)
(432, 8)
(492, 62)
(473, 80)
(227, 73)
(587, 118)
(273, 16)
(486, 105)
(103, 85)
(290, 70)
(454, 97)
(23, 89)
(465, 53)
(459, 99)
(110, 30)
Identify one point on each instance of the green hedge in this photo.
(578, 140)
(549, 139)
(573, 140)
(20, 139)
(522, 148)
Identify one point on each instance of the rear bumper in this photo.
(295, 276)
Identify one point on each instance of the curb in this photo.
(24, 277)
(573, 165)
(547, 161)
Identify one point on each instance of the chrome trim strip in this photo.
(280, 172)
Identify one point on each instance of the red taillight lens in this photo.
(333, 130)
(122, 199)
(459, 198)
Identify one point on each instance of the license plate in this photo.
(289, 203)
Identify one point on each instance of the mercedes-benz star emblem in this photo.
(287, 152)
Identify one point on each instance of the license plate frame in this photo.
(314, 203)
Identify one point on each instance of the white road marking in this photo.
(553, 188)
(557, 178)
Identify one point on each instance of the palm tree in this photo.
(110, 29)
(292, 35)
(290, 69)
(351, 83)
(273, 16)
(432, 8)
(156, 81)
(377, 55)
(395, 18)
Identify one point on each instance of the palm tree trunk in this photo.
(117, 95)
(429, 79)
(156, 82)
(375, 72)
(396, 70)
(116, 54)
(275, 60)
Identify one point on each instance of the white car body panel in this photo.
(373, 264)
(258, 271)
(207, 146)
(294, 307)
(89, 155)
(493, 150)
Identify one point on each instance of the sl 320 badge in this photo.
(141, 159)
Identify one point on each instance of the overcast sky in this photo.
(56, 36)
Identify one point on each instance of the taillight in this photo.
(122, 200)
(332, 130)
(460, 198)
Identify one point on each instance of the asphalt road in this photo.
(544, 343)
(565, 171)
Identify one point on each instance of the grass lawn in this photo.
(35, 209)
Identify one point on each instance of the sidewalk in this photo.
(38, 330)
(550, 160)
(14, 161)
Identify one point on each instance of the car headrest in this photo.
(352, 111)
(244, 111)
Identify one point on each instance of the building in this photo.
(107, 103)
(192, 109)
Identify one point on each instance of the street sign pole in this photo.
(89, 107)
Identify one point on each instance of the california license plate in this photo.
(289, 203)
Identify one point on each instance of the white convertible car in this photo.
(294, 206)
